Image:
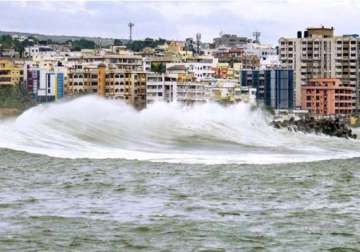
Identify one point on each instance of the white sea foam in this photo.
(91, 127)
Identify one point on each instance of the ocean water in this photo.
(95, 175)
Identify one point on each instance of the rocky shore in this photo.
(326, 126)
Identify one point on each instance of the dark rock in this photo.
(330, 127)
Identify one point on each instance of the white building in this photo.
(270, 62)
(192, 92)
(202, 71)
(225, 90)
(161, 88)
(45, 84)
(169, 88)
(32, 51)
(262, 51)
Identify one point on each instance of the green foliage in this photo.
(78, 45)
(7, 42)
(158, 67)
(139, 45)
(15, 97)
(118, 42)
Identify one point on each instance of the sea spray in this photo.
(92, 127)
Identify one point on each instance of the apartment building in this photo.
(237, 55)
(327, 97)
(45, 85)
(10, 73)
(318, 53)
(192, 92)
(37, 50)
(111, 81)
(225, 91)
(231, 41)
(274, 87)
(202, 69)
(262, 51)
(176, 87)
(127, 62)
(161, 87)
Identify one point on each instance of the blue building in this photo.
(274, 87)
(45, 85)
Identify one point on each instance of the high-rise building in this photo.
(274, 88)
(318, 53)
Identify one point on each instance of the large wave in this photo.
(92, 127)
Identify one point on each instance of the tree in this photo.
(78, 45)
(158, 67)
(118, 42)
(139, 45)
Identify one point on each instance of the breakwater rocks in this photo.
(326, 126)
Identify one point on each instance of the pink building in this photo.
(327, 97)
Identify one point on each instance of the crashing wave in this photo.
(92, 127)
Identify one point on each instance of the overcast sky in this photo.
(179, 19)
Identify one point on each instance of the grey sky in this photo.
(179, 19)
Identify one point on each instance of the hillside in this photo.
(62, 38)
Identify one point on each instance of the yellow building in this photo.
(108, 81)
(10, 73)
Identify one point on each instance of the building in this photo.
(327, 97)
(274, 87)
(231, 41)
(223, 71)
(201, 71)
(318, 53)
(108, 80)
(192, 92)
(9, 53)
(161, 88)
(247, 94)
(237, 55)
(45, 85)
(127, 62)
(32, 51)
(202, 68)
(225, 91)
(50, 86)
(176, 87)
(262, 51)
(10, 73)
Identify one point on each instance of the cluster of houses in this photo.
(318, 72)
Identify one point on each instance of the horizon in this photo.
(273, 18)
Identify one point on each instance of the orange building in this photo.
(327, 97)
(221, 72)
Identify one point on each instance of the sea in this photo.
(91, 174)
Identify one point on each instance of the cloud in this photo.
(179, 19)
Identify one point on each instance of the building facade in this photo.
(10, 73)
(161, 88)
(45, 85)
(231, 41)
(327, 97)
(274, 88)
(318, 53)
(108, 81)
